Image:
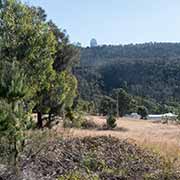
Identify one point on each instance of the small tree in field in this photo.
(111, 122)
(143, 112)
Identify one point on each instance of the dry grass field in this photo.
(162, 138)
(80, 153)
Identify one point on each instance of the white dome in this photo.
(93, 42)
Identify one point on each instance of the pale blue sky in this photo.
(115, 21)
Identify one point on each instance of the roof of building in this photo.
(162, 115)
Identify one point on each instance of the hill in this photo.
(150, 70)
(146, 51)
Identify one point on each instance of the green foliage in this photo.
(143, 112)
(73, 118)
(149, 71)
(77, 175)
(82, 105)
(89, 83)
(26, 39)
(61, 94)
(123, 100)
(13, 118)
(36, 63)
(70, 89)
(12, 127)
(67, 55)
(27, 50)
(178, 117)
(63, 87)
(150, 104)
(117, 103)
(107, 105)
(12, 78)
(92, 163)
(43, 52)
(111, 122)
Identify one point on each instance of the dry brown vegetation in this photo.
(123, 153)
(162, 138)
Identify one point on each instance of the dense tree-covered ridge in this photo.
(146, 51)
(150, 70)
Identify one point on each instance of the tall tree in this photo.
(107, 106)
(67, 55)
(123, 101)
(27, 39)
(60, 95)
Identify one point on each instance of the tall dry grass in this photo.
(160, 138)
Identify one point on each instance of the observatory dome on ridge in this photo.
(93, 43)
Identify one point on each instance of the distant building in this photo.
(154, 116)
(93, 43)
(135, 116)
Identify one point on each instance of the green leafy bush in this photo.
(111, 122)
(13, 117)
(92, 163)
(143, 112)
(73, 119)
(76, 175)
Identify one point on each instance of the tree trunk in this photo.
(39, 120)
(15, 154)
(49, 117)
(117, 106)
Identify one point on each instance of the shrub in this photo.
(143, 112)
(178, 117)
(73, 119)
(111, 122)
(13, 118)
(76, 175)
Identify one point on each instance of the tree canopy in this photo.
(147, 71)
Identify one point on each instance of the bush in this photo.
(178, 117)
(77, 175)
(143, 112)
(73, 119)
(111, 122)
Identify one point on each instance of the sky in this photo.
(115, 21)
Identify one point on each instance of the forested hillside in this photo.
(150, 70)
(146, 51)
